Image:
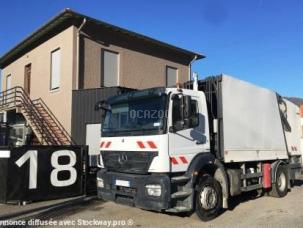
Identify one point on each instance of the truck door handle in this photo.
(199, 142)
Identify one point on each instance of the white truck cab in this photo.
(175, 148)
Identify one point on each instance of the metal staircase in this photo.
(39, 117)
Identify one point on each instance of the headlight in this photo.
(100, 182)
(153, 190)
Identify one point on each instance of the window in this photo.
(27, 78)
(171, 76)
(8, 81)
(177, 113)
(110, 69)
(55, 69)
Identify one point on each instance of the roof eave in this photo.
(62, 17)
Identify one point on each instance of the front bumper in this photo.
(135, 194)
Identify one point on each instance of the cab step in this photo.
(178, 209)
(180, 179)
(181, 194)
(251, 187)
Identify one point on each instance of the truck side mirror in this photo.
(187, 110)
(187, 107)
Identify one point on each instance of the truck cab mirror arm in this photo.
(102, 105)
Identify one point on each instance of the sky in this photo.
(260, 41)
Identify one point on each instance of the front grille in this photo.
(128, 161)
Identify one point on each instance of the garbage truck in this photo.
(194, 148)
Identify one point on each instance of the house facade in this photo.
(74, 53)
(39, 82)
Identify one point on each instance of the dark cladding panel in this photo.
(3, 178)
(83, 109)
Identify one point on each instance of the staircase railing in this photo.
(39, 102)
(17, 98)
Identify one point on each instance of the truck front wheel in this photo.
(280, 186)
(208, 198)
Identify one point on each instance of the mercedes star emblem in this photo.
(122, 159)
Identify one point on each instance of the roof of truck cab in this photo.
(137, 94)
(67, 18)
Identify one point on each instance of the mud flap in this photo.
(221, 177)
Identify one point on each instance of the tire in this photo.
(208, 198)
(280, 186)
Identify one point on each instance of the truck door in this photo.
(186, 143)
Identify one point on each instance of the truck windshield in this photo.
(136, 117)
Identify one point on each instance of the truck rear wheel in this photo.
(280, 186)
(208, 198)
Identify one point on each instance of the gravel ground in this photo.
(7, 209)
(245, 211)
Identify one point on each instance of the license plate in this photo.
(123, 183)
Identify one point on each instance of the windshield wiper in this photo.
(124, 130)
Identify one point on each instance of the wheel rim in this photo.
(281, 181)
(208, 198)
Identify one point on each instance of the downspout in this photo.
(78, 53)
(190, 65)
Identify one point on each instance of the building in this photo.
(61, 70)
